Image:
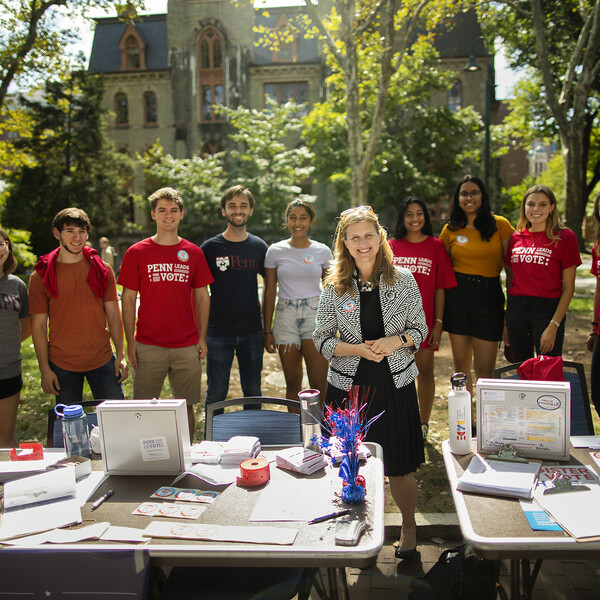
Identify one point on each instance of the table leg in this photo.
(332, 580)
(529, 577)
(515, 584)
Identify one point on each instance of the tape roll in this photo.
(253, 472)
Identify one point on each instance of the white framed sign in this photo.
(532, 416)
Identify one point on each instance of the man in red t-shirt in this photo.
(171, 276)
(75, 292)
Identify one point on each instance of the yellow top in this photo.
(472, 255)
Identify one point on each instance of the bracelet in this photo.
(555, 323)
(268, 333)
(439, 321)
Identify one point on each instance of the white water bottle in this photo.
(459, 415)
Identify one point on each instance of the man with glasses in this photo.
(73, 293)
(235, 258)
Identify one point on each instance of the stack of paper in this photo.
(499, 478)
(337, 454)
(240, 448)
(301, 460)
(39, 503)
(207, 452)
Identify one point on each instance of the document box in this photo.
(144, 437)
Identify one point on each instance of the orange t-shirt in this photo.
(78, 339)
(473, 256)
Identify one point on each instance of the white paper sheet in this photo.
(214, 474)
(62, 536)
(585, 441)
(576, 512)
(87, 485)
(296, 500)
(40, 503)
(123, 534)
(222, 533)
(20, 468)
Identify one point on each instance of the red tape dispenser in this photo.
(253, 472)
(37, 452)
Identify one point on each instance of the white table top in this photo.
(497, 528)
(314, 545)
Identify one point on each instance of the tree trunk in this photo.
(575, 180)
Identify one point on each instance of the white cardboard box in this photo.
(144, 437)
(532, 416)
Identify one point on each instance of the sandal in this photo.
(424, 430)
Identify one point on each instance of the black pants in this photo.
(526, 319)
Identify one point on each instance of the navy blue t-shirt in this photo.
(234, 302)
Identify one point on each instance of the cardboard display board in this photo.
(144, 437)
(532, 416)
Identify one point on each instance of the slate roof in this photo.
(457, 41)
(106, 55)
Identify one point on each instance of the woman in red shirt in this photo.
(544, 256)
(426, 257)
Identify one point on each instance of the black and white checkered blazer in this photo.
(402, 311)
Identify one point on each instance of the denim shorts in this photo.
(295, 320)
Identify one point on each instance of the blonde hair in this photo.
(553, 224)
(341, 273)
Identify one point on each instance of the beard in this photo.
(240, 223)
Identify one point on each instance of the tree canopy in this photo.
(75, 163)
(559, 40)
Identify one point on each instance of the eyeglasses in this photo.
(363, 208)
(3, 244)
(474, 194)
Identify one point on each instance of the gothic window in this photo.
(121, 110)
(133, 53)
(210, 47)
(455, 96)
(287, 41)
(150, 109)
(285, 92)
(133, 50)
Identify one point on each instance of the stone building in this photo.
(164, 73)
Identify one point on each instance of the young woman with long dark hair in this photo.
(474, 312)
(425, 256)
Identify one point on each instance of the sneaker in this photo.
(424, 430)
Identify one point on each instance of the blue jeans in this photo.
(249, 351)
(102, 382)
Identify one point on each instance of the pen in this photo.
(340, 513)
(101, 500)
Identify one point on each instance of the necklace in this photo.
(365, 286)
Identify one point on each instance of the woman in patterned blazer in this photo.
(370, 322)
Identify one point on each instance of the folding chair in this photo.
(272, 427)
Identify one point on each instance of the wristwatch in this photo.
(404, 340)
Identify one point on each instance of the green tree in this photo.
(32, 45)
(199, 180)
(559, 40)
(384, 31)
(423, 147)
(76, 163)
(271, 160)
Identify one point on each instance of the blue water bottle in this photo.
(76, 434)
